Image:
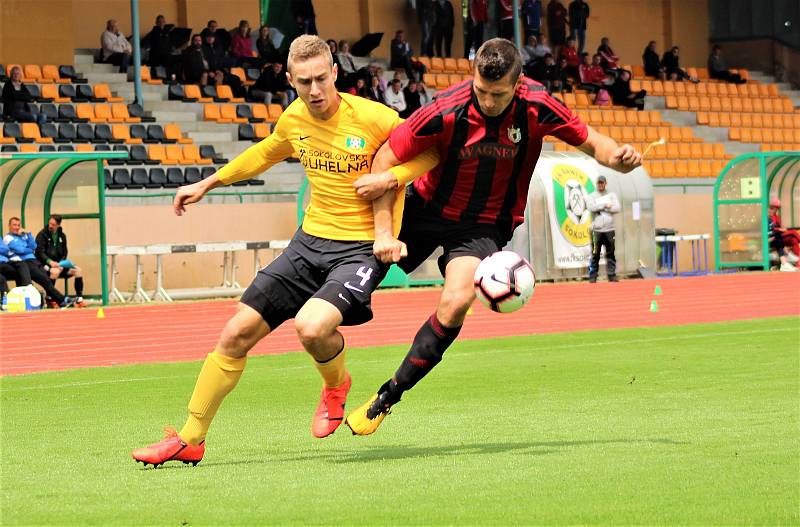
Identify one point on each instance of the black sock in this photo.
(426, 352)
(79, 286)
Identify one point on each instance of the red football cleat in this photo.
(330, 411)
(171, 448)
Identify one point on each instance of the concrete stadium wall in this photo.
(62, 25)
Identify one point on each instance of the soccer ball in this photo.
(504, 281)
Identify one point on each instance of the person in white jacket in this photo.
(603, 205)
(394, 97)
(115, 47)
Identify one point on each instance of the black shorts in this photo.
(342, 272)
(423, 231)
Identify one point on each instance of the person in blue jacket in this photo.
(21, 247)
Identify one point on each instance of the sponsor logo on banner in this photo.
(567, 187)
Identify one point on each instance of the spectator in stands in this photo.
(777, 243)
(531, 12)
(374, 91)
(194, 66)
(9, 271)
(267, 52)
(424, 96)
(564, 75)
(507, 19)
(550, 74)
(273, 87)
(384, 83)
(671, 63)
(401, 54)
(603, 205)
(348, 74)
(52, 252)
(21, 247)
(791, 238)
(214, 59)
(542, 49)
(570, 54)
(360, 89)
(426, 16)
(557, 22)
(622, 95)
(578, 15)
(608, 59)
(159, 43)
(241, 45)
(115, 48)
(412, 99)
(528, 51)
(652, 64)
(718, 70)
(478, 16)
(394, 97)
(211, 27)
(592, 75)
(303, 12)
(334, 47)
(443, 30)
(18, 101)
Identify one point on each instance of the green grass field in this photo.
(693, 425)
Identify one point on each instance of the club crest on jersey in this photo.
(355, 143)
(515, 134)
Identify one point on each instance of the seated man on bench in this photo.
(51, 251)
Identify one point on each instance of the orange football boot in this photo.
(330, 410)
(171, 448)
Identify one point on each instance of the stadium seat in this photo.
(102, 92)
(31, 131)
(244, 111)
(193, 94)
(120, 112)
(35, 92)
(84, 93)
(191, 155)
(464, 66)
(210, 92)
(208, 171)
(122, 133)
(155, 134)
(158, 178)
(139, 178)
(102, 114)
(208, 152)
(102, 133)
(85, 112)
(136, 110)
(174, 178)
(173, 155)
(224, 92)
(261, 131)
(246, 132)
(66, 133)
(192, 175)
(175, 92)
(50, 71)
(274, 111)
(67, 71)
(66, 113)
(121, 178)
(146, 75)
(50, 91)
(260, 112)
(173, 133)
(437, 65)
(211, 113)
(228, 112)
(49, 131)
(66, 148)
(50, 111)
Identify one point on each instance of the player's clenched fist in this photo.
(625, 158)
(389, 249)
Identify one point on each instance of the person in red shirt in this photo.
(488, 133)
(241, 47)
(478, 16)
(506, 19)
(608, 59)
(791, 238)
(592, 74)
(570, 54)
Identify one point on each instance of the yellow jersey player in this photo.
(326, 276)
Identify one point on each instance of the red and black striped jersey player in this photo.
(488, 132)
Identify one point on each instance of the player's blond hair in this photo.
(305, 47)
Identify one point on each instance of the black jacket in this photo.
(652, 64)
(51, 246)
(193, 65)
(15, 99)
(214, 56)
(159, 43)
(578, 13)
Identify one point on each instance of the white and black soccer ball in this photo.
(504, 281)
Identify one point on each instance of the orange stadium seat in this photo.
(50, 71)
(33, 72)
(735, 134)
(157, 153)
(707, 151)
(174, 154)
(224, 92)
(86, 111)
(191, 154)
(702, 118)
(261, 130)
(102, 91)
(31, 131)
(736, 119)
(102, 113)
(228, 111)
(437, 65)
(274, 111)
(696, 151)
(120, 111)
(146, 77)
(425, 61)
(122, 132)
(450, 65)
(684, 151)
(713, 119)
(239, 72)
(582, 100)
(725, 120)
(464, 66)
(192, 91)
(260, 111)
(50, 91)
(211, 113)
(454, 78)
(705, 169)
(173, 133)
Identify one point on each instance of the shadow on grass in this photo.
(371, 454)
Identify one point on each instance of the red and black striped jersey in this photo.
(486, 162)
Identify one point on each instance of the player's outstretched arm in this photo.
(193, 193)
(388, 172)
(608, 153)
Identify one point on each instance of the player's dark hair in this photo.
(56, 217)
(13, 218)
(496, 58)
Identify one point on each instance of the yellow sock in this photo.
(217, 378)
(332, 371)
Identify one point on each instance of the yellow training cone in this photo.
(101, 313)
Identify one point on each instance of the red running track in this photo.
(60, 340)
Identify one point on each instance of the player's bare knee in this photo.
(237, 338)
(310, 331)
(453, 307)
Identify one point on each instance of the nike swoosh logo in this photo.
(343, 298)
(354, 288)
(304, 137)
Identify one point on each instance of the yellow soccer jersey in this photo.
(334, 154)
